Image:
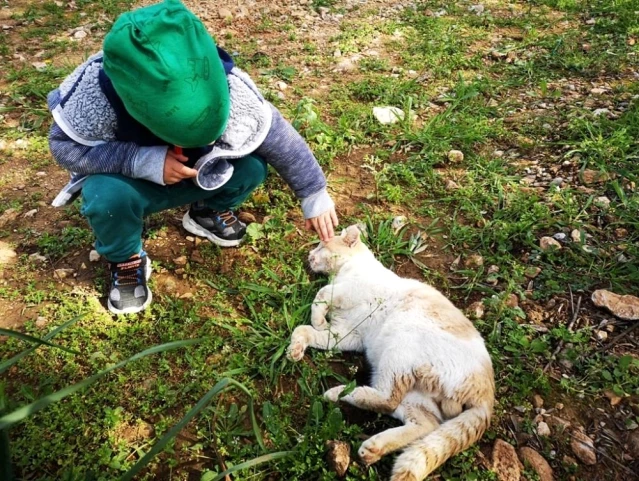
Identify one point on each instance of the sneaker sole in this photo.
(194, 228)
(133, 310)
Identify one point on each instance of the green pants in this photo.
(115, 205)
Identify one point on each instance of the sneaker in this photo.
(129, 292)
(221, 228)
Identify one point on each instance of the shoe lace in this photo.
(127, 273)
(228, 217)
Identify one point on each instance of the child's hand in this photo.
(323, 224)
(175, 170)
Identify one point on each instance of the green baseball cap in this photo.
(165, 67)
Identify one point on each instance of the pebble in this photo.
(537, 401)
(603, 202)
(474, 260)
(41, 321)
(190, 238)
(532, 272)
(31, 213)
(622, 306)
(94, 256)
(64, 273)
(80, 34)
(476, 310)
(37, 258)
(583, 447)
(451, 185)
(455, 156)
(543, 429)
(225, 13)
(388, 115)
(505, 461)
(180, 261)
(548, 243)
(338, 456)
(537, 463)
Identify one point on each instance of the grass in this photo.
(513, 89)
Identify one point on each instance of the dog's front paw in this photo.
(333, 393)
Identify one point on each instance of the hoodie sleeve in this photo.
(112, 157)
(285, 149)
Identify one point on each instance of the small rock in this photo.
(190, 238)
(476, 310)
(556, 423)
(399, 222)
(37, 258)
(602, 202)
(600, 112)
(537, 401)
(83, 267)
(548, 243)
(281, 85)
(613, 398)
(451, 185)
(575, 235)
(39, 66)
(94, 256)
(601, 335)
(388, 115)
(560, 236)
(180, 261)
(63, 273)
(476, 9)
(537, 462)
(557, 181)
(7, 254)
(512, 301)
(196, 256)
(532, 272)
(225, 13)
(31, 213)
(621, 233)
(543, 429)
(624, 307)
(589, 177)
(474, 260)
(346, 65)
(505, 461)
(455, 155)
(569, 460)
(597, 91)
(338, 456)
(583, 447)
(80, 34)
(337, 53)
(8, 215)
(186, 295)
(41, 321)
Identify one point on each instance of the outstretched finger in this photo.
(328, 225)
(334, 218)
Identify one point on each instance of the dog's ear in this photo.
(351, 239)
